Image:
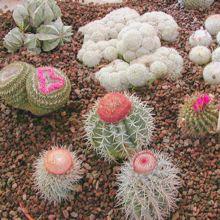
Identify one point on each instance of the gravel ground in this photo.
(23, 136)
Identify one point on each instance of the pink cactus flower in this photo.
(201, 102)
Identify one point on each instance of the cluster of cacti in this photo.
(196, 4)
(39, 27)
(119, 125)
(148, 186)
(55, 173)
(199, 115)
(41, 91)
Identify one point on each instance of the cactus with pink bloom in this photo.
(199, 115)
(148, 186)
(56, 171)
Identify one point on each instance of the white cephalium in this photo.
(218, 38)
(211, 73)
(152, 196)
(200, 55)
(56, 188)
(212, 24)
(200, 38)
(120, 140)
(216, 55)
(163, 56)
(137, 39)
(165, 24)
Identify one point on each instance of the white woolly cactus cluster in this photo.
(216, 55)
(148, 186)
(211, 73)
(218, 38)
(56, 171)
(200, 38)
(212, 24)
(200, 55)
(165, 24)
(119, 76)
(136, 40)
(163, 62)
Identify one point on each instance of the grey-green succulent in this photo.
(32, 43)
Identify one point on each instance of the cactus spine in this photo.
(118, 125)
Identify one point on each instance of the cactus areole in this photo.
(114, 107)
(144, 162)
(49, 81)
(58, 161)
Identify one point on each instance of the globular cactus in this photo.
(218, 38)
(200, 55)
(196, 4)
(211, 73)
(216, 55)
(199, 115)
(212, 24)
(119, 125)
(14, 40)
(54, 35)
(48, 89)
(56, 172)
(32, 43)
(200, 38)
(148, 186)
(12, 84)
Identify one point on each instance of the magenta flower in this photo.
(201, 102)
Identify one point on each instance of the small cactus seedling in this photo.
(56, 171)
(148, 186)
(199, 115)
(118, 125)
(48, 89)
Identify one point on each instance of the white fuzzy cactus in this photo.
(211, 73)
(218, 38)
(148, 186)
(137, 39)
(216, 55)
(200, 55)
(212, 24)
(56, 171)
(200, 38)
(165, 24)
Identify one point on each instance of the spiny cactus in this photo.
(48, 89)
(12, 84)
(211, 73)
(55, 173)
(200, 55)
(200, 38)
(54, 34)
(14, 40)
(196, 4)
(148, 186)
(212, 24)
(199, 115)
(118, 125)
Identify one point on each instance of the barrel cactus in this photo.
(14, 40)
(48, 89)
(119, 125)
(55, 173)
(199, 115)
(196, 4)
(12, 84)
(148, 186)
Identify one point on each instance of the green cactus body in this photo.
(199, 122)
(32, 43)
(121, 139)
(197, 4)
(12, 84)
(47, 92)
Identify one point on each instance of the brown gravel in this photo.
(23, 136)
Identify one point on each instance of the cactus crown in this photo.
(144, 162)
(201, 102)
(114, 107)
(49, 81)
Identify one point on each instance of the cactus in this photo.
(12, 84)
(200, 38)
(14, 40)
(212, 24)
(48, 89)
(199, 115)
(32, 43)
(148, 186)
(218, 38)
(196, 4)
(118, 125)
(211, 73)
(200, 55)
(216, 55)
(54, 34)
(55, 173)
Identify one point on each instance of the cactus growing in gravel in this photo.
(32, 43)
(216, 55)
(200, 55)
(211, 73)
(212, 24)
(196, 4)
(12, 84)
(200, 38)
(14, 40)
(218, 38)
(199, 115)
(55, 173)
(148, 186)
(119, 125)
(48, 89)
